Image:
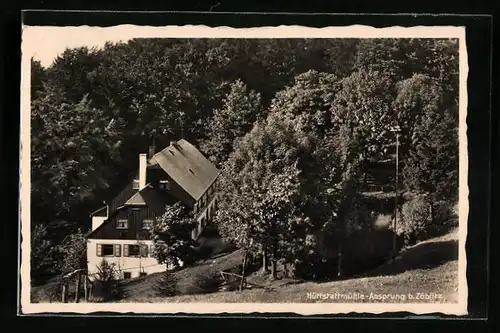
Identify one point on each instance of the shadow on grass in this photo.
(421, 256)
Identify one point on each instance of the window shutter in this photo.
(99, 250)
(144, 250)
(125, 250)
(118, 250)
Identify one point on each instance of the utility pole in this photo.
(395, 129)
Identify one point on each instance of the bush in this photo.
(167, 285)
(73, 251)
(443, 219)
(107, 284)
(415, 219)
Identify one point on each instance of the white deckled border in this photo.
(56, 39)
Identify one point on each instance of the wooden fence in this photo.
(78, 275)
(240, 281)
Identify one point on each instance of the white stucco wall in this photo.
(97, 221)
(134, 265)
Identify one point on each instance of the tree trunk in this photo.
(273, 268)
(64, 292)
(77, 288)
(242, 282)
(431, 212)
(264, 261)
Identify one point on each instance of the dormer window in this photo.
(122, 224)
(164, 185)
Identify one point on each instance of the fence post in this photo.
(85, 288)
(77, 287)
(242, 282)
(91, 285)
(64, 291)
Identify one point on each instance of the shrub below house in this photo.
(107, 283)
(166, 286)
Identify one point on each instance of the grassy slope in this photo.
(428, 267)
(142, 289)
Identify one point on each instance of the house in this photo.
(120, 229)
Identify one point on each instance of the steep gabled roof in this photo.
(187, 166)
(91, 233)
(124, 195)
(149, 196)
(100, 211)
(137, 199)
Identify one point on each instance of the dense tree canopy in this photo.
(292, 123)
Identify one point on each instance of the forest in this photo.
(296, 126)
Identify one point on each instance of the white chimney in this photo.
(143, 161)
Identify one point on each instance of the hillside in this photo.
(427, 267)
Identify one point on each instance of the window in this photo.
(107, 250)
(122, 224)
(135, 185)
(133, 250)
(195, 208)
(127, 275)
(143, 274)
(147, 224)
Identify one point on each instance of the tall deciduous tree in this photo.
(364, 104)
(173, 244)
(38, 78)
(240, 109)
(70, 147)
(432, 163)
(73, 252)
(339, 161)
(416, 96)
(309, 99)
(41, 254)
(250, 211)
(430, 140)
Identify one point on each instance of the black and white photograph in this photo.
(195, 169)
